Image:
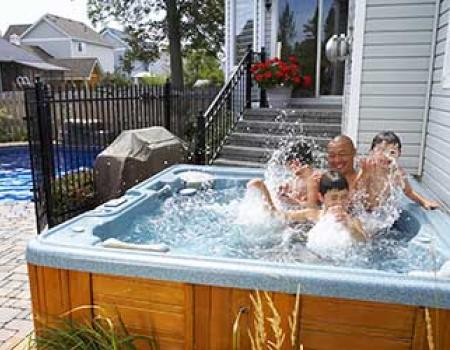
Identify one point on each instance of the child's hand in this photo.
(429, 204)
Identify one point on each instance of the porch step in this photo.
(261, 131)
(295, 115)
(285, 128)
(248, 154)
(237, 163)
(269, 141)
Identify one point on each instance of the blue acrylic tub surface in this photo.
(75, 245)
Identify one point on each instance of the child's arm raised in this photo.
(418, 198)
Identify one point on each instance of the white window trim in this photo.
(352, 122)
(445, 81)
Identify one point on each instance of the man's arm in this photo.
(418, 198)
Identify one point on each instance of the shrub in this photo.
(154, 80)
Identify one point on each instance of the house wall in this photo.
(348, 68)
(395, 66)
(105, 55)
(436, 170)
(119, 49)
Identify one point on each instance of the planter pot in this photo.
(278, 97)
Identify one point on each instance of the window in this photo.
(446, 69)
(80, 47)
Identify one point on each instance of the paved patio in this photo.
(17, 226)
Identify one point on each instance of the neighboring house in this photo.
(66, 38)
(397, 76)
(118, 40)
(80, 71)
(16, 62)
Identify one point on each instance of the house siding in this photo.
(436, 170)
(396, 56)
(105, 55)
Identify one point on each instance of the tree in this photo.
(182, 24)
(201, 65)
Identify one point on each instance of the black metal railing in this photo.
(219, 120)
(69, 126)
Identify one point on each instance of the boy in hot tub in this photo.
(299, 161)
(334, 217)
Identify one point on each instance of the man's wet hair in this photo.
(386, 136)
(300, 151)
(332, 180)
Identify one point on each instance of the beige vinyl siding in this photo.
(396, 56)
(436, 171)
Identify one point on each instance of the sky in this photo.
(29, 11)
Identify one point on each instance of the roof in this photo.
(120, 34)
(13, 53)
(74, 29)
(79, 67)
(38, 51)
(17, 29)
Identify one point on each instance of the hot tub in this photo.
(190, 298)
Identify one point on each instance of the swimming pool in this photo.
(16, 182)
(194, 291)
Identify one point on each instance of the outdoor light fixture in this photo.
(268, 4)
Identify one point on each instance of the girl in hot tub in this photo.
(334, 227)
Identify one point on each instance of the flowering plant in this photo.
(276, 72)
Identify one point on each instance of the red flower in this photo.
(307, 81)
(268, 75)
(292, 58)
(279, 74)
(297, 80)
(258, 77)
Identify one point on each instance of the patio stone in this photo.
(7, 314)
(15, 305)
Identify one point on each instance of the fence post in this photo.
(45, 139)
(248, 82)
(167, 112)
(263, 103)
(200, 142)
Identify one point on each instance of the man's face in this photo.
(340, 157)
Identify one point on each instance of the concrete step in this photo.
(249, 154)
(294, 115)
(270, 141)
(284, 128)
(237, 163)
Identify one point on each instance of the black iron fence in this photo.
(68, 127)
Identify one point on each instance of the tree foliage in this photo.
(201, 65)
(180, 24)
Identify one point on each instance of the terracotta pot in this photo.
(278, 97)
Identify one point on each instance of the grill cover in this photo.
(134, 156)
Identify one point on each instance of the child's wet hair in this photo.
(300, 151)
(332, 180)
(388, 137)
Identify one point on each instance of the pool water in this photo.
(16, 183)
(233, 223)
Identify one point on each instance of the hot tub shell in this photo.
(191, 302)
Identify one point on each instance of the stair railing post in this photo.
(200, 140)
(248, 77)
(167, 111)
(263, 103)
